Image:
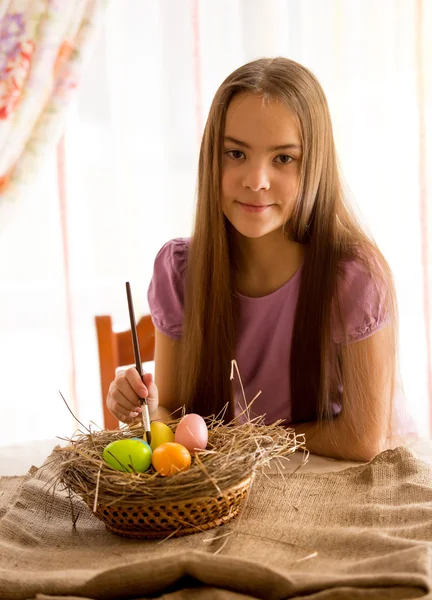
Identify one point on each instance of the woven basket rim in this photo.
(123, 500)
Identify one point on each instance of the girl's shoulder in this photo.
(354, 271)
(173, 255)
(361, 307)
(166, 291)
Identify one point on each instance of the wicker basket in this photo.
(153, 521)
(146, 505)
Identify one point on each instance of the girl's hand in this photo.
(125, 392)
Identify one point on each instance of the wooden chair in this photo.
(116, 350)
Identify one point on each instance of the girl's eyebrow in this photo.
(272, 149)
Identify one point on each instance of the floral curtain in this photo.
(43, 44)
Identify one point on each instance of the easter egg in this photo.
(142, 442)
(171, 458)
(192, 432)
(128, 455)
(160, 434)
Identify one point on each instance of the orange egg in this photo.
(171, 458)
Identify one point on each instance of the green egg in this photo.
(142, 442)
(128, 455)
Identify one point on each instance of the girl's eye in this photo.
(235, 154)
(284, 159)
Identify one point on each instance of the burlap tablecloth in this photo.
(362, 533)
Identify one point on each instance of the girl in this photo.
(278, 274)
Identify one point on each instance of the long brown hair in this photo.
(322, 221)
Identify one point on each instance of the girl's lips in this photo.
(254, 208)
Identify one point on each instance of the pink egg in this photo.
(192, 432)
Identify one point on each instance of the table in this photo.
(363, 532)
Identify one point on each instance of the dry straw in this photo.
(208, 494)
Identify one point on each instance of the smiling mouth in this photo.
(256, 208)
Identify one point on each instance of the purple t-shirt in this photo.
(265, 326)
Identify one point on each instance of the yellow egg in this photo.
(160, 434)
(171, 458)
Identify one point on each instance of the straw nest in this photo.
(208, 494)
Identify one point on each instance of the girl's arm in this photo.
(167, 354)
(361, 429)
(127, 388)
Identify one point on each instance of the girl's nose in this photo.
(256, 179)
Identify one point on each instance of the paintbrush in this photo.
(145, 410)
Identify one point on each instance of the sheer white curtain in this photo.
(131, 155)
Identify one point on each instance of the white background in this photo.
(132, 141)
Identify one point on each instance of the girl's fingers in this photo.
(149, 384)
(126, 381)
(126, 392)
(132, 377)
(124, 404)
(121, 417)
(122, 408)
(152, 398)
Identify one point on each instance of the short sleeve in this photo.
(362, 304)
(166, 291)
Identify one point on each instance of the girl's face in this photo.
(261, 165)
